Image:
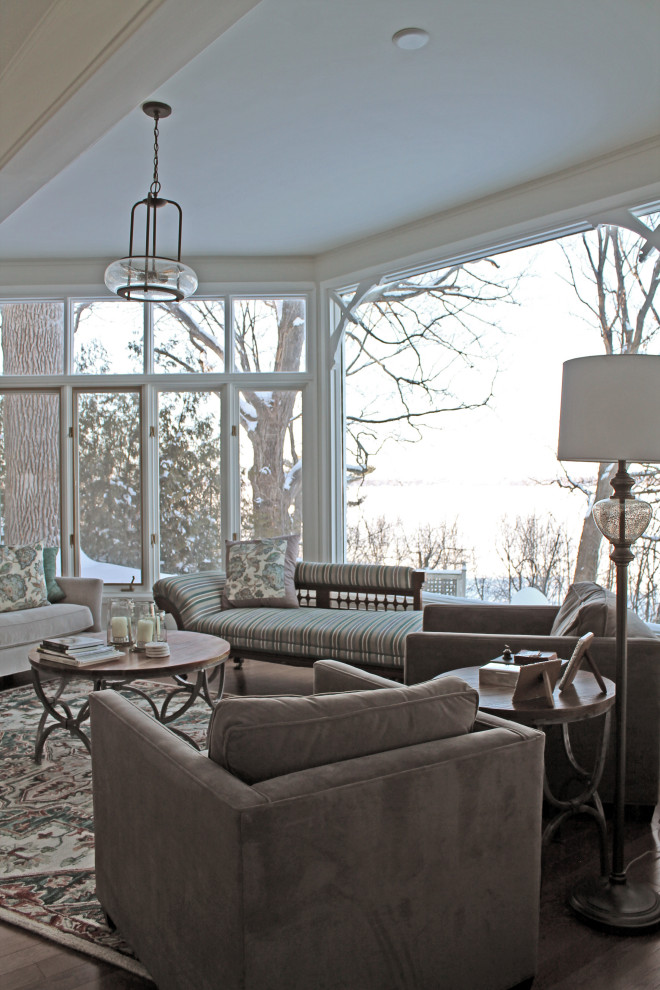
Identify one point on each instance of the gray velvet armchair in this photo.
(412, 864)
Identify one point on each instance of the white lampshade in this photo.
(610, 409)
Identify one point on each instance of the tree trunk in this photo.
(31, 344)
(271, 500)
(586, 565)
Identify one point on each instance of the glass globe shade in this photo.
(622, 520)
(151, 279)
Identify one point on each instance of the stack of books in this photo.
(76, 651)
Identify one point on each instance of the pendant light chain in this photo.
(154, 188)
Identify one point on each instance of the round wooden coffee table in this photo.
(582, 700)
(190, 654)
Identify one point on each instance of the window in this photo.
(109, 485)
(190, 482)
(271, 463)
(29, 468)
(124, 451)
(108, 337)
(452, 390)
(189, 336)
(32, 338)
(269, 334)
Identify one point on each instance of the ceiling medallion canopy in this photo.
(148, 276)
(410, 39)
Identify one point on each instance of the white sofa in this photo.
(79, 611)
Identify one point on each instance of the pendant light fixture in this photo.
(148, 276)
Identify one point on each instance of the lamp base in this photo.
(624, 907)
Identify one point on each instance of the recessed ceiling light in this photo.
(410, 38)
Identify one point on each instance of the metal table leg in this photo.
(588, 801)
(64, 718)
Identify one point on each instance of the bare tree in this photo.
(615, 275)
(373, 541)
(434, 547)
(537, 553)
(427, 547)
(407, 344)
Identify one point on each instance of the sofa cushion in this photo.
(28, 626)
(260, 573)
(259, 738)
(22, 580)
(352, 635)
(590, 608)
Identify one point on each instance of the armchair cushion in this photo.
(260, 738)
(590, 608)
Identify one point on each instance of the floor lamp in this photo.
(610, 412)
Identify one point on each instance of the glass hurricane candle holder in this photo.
(119, 622)
(145, 625)
(161, 628)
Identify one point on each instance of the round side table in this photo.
(582, 700)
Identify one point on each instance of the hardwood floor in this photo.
(571, 954)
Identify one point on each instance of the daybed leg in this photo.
(238, 663)
(108, 920)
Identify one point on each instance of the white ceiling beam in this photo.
(124, 67)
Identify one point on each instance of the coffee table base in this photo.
(64, 718)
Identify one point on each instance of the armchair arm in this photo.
(432, 653)
(168, 824)
(85, 591)
(332, 675)
(482, 618)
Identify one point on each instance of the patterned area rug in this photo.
(47, 830)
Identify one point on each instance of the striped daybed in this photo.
(358, 613)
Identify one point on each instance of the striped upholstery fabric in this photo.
(352, 636)
(192, 596)
(353, 575)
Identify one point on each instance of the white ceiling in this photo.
(302, 128)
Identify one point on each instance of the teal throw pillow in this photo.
(53, 590)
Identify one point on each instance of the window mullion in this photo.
(230, 467)
(148, 312)
(150, 527)
(68, 521)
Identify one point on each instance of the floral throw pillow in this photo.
(22, 581)
(260, 573)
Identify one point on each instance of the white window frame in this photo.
(149, 385)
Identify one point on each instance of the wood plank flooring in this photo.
(571, 954)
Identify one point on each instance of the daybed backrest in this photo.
(358, 586)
